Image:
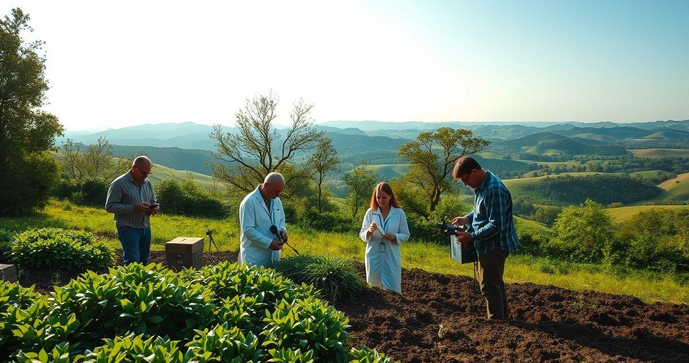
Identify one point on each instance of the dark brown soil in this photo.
(434, 322)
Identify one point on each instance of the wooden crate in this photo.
(8, 273)
(184, 252)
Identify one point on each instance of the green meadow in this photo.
(623, 214)
(428, 256)
(661, 153)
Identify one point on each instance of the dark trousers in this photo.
(491, 267)
(136, 244)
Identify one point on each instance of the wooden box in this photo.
(8, 273)
(184, 252)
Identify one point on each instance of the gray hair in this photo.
(274, 177)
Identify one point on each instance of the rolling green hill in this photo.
(161, 172)
(390, 171)
(676, 189)
(567, 189)
(555, 145)
(173, 157)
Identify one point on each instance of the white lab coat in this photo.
(254, 229)
(384, 263)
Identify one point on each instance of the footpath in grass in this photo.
(430, 257)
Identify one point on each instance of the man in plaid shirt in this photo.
(492, 228)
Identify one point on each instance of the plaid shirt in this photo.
(491, 220)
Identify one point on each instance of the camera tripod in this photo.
(211, 241)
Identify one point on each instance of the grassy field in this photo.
(661, 153)
(676, 188)
(623, 214)
(428, 256)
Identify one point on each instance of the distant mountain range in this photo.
(186, 146)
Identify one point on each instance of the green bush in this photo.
(55, 248)
(186, 198)
(335, 277)
(82, 192)
(585, 234)
(140, 313)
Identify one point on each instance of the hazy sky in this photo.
(122, 63)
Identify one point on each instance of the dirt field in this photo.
(433, 322)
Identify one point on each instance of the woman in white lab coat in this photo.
(384, 228)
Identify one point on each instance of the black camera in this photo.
(449, 229)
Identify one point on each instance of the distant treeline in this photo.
(604, 189)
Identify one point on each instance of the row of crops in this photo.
(138, 313)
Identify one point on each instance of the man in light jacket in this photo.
(258, 212)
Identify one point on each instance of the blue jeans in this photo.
(136, 244)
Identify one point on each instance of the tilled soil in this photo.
(441, 318)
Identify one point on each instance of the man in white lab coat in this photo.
(260, 210)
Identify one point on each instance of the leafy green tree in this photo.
(324, 161)
(432, 157)
(26, 132)
(584, 233)
(409, 197)
(258, 149)
(360, 181)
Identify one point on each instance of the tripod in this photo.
(211, 241)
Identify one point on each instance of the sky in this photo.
(112, 64)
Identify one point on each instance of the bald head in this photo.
(273, 185)
(273, 178)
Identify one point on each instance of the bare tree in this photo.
(257, 149)
(97, 162)
(324, 160)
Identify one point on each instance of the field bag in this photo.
(462, 253)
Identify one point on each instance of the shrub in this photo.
(55, 248)
(83, 192)
(187, 198)
(583, 234)
(335, 277)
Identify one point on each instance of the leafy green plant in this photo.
(140, 313)
(225, 345)
(134, 348)
(56, 248)
(368, 355)
(335, 276)
(308, 324)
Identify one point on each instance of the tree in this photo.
(432, 157)
(26, 132)
(258, 148)
(360, 181)
(584, 233)
(97, 162)
(324, 160)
